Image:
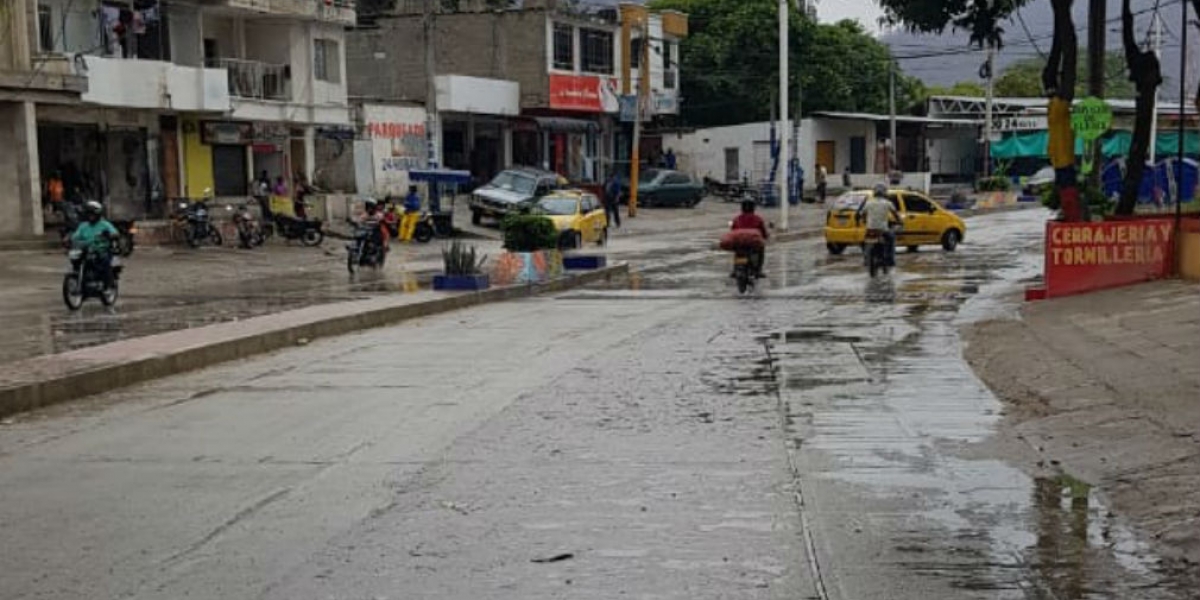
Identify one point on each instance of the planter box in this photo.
(527, 267)
(584, 262)
(472, 283)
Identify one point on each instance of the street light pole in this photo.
(784, 126)
(642, 92)
(987, 118)
(1183, 63)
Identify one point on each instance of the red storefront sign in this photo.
(583, 92)
(1083, 257)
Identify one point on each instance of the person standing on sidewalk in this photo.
(612, 200)
(822, 182)
(412, 214)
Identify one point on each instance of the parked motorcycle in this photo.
(249, 231)
(366, 249)
(428, 227)
(310, 232)
(123, 243)
(85, 278)
(197, 224)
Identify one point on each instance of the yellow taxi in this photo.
(925, 222)
(578, 216)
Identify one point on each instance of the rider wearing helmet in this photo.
(96, 233)
(749, 220)
(880, 215)
(373, 216)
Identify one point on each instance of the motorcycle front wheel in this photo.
(312, 237)
(193, 240)
(72, 291)
(214, 235)
(423, 233)
(352, 258)
(108, 297)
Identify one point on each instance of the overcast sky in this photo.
(864, 11)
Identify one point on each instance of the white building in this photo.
(189, 96)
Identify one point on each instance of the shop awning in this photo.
(440, 176)
(1116, 143)
(565, 125)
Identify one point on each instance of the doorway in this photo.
(826, 155)
(732, 169)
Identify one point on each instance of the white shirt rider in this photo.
(878, 211)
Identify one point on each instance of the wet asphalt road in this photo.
(661, 438)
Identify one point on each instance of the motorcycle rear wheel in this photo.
(312, 237)
(423, 233)
(72, 291)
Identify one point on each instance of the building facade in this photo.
(184, 99)
(29, 82)
(537, 84)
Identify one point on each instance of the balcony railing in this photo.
(253, 79)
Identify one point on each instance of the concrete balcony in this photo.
(329, 11)
(257, 80)
(131, 83)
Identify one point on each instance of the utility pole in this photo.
(1097, 16)
(432, 127)
(1183, 67)
(1157, 42)
(784, 126)
(642, 93)
(893, 153)
(987, 118)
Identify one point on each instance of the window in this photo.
(45, 28)
(635, 53)
(597, 50)
(676, 179)
(326, 63)
(670, 56)
(564, 47)
(917, 204)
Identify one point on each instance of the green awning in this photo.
(1033, 145)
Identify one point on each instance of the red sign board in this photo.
(587, 93)
(1082, 257)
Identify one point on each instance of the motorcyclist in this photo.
(373, 218)
(95, 233)
(880, 215)
(748, 220)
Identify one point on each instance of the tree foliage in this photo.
(968, 89)
(1023, 79)
(980, 18)
(730, 63)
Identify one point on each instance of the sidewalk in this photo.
(1106, 387)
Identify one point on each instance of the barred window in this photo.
(564, 47)
(326, 62)
(597, 49)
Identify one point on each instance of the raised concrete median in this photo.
(46, 380)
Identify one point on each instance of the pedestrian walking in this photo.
(669, 159)
(846, 181)
(612, 200)
(822, 182)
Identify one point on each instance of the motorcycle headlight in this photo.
(74, 254)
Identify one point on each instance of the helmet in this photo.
(881, 190)
(370, 204)
(92, 207)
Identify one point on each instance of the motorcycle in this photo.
(122, 245)
(310, 232)
(85, 280)
(428, 227)
(197, 225)
(744, 270)
(876, 250)
(366, 249)
(250, 233)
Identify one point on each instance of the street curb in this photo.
(177, 356)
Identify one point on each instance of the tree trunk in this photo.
(1146, 75)
(1058, 79)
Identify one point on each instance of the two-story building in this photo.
(28, 83)
(537, 83)
(186, 97)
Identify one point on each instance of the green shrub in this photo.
(995, 183)
(1094, 199)
(460, 259)
(529, 233)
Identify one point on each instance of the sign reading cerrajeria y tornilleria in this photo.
(1082, 257)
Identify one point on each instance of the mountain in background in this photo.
(947, 70)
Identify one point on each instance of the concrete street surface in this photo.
(1108, 386)
(821, 437)
(169, 288)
